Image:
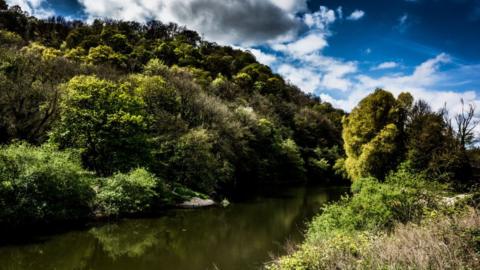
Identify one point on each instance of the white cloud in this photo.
(320, 19)
(386, 65)
(425, 82)
(264, 58)
(307, 79)
(306, 45)
(34, 7)
(403, 23)
(340, 12)
(356, 15)
(291, 5)
(304, 64)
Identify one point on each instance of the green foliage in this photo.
(378, 155)
(8, 38)
(381, 132)
(29, 94)
(324, 163)
(76, 54)
(41, 185)
(3, 5)
(104, 54)
(155, 66)
(291, 162)
(192, 162)
(375, 206)
(132, 193)
(431, 145)
(372, 136)
(107, 121)
(346, 233)
(125, 95)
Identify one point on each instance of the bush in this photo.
(42, 185)
(126, 194)
(375, 206)
(9, 38)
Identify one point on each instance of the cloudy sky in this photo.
(340, 50)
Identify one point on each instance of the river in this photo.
(244, 235)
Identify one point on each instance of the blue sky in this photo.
(339, 50)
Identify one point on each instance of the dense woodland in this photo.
(113, 113)
(118, 118)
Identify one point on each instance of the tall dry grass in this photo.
(440, 243)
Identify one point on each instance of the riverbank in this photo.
(403, 223)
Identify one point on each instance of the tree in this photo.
(371, 134)
(9, 39)
(312, 129)
(107, 121)
(117, 41)
(3, 5)
(29, 94)
(431, 145)
(466, 125)
(192, 162)
(106, 55)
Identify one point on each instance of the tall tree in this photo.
(107, 121)
(3, 5)
(371, 135)
(466, 125)
(29, 94)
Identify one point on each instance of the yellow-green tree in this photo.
(372, 134)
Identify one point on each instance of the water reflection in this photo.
(241, 236)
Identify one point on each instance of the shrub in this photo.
(375, 206)
(131, 193)
(9, 38)
(42, 185)
(106, 55)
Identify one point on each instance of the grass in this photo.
(445, 242)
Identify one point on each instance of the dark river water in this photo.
(242, 236)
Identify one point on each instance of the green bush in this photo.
(131, 193)
(42, 185)
(9, 38)
(375, 206)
